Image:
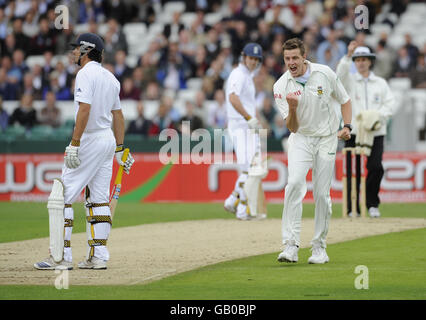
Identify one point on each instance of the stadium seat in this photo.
(213, 18)
(173, 6)
(378, 28)
(187, 94)
(155, 29)
(194, 83)
(400, 83)
(31, 61)
(81, 28)
(188, 18)
(63, 132)
(15, 131)
(41, 132)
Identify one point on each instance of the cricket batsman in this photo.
(97, 135)
(305, 96)
(242, 122)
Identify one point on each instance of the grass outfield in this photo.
(396, 262)
(396, 270)
(25, 220)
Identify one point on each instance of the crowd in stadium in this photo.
(181, 52)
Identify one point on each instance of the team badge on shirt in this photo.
(319, 91)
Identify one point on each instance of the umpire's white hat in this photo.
(363, 52)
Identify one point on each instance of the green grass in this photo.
(24, 220)
(396, 264)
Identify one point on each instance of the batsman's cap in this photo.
(363, 52)
(89, 41)
(253, 49)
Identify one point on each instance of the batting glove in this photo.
(253, 123)
(119, 155)
(71, 155)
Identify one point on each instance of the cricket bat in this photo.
(117, 185)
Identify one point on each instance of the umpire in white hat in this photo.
(367, 92)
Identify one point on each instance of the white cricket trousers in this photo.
(96, 153)
(245, 143)
(318, 153)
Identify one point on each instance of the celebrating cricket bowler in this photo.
(98, 134)
(241, 111)
(306, 95)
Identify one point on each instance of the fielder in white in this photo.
(98, 134)
(306, 95)
(242, 122)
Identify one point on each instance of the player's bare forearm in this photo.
(81, 120)
(291, 121)
(236, 103)
(118, 126)
(347, 112)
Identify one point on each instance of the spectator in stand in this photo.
(330, 51)
(24, 114)
(129, 91)
(37, 76)
(22, 40)
(3, 24)
(117, 35)
(404, 63)
(279, 128)
(268, 111)
(61, 93)
(212, 45)
(8, 90)
(50, 114)
(9, 45)
(217, 117)
(239, 37)
(90, 10)
(19, 67)
(418, 75)
(264, 36)
(121, 69)
(383, 66)
(186, 45)
(412, 49)
(4, 116)
(30, 25)
(117, 9)
(175, 27)
(152, 92)
(195, 122)
(47, 67)
(63, 39)
(251, 13)
(161, 121)
(44, 40)
(174, 67)
(140, 125)
(28, 87)
(200, 61)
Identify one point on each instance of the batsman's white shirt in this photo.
(313, 146)
(98, 87)
(240, 82)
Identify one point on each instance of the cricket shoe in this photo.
(374, 212)
(350, 214)
(259, 216)
(231, 203)
(243, 211)
(93, 263)
(289, 254)
(50, 264)
(319, 255)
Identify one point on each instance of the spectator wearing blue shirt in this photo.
(4, 116)
(331, 50)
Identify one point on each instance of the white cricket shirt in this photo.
(316, 110)
(98, 87)
(240, 82)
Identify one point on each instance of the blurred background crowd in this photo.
(173, 57)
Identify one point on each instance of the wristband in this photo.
(119, 148)
(75, 143)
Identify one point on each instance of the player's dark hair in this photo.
(95, 55)
(294, 43)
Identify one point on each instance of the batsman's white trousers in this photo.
(318, 153)
(96, 153)
(244, 140)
